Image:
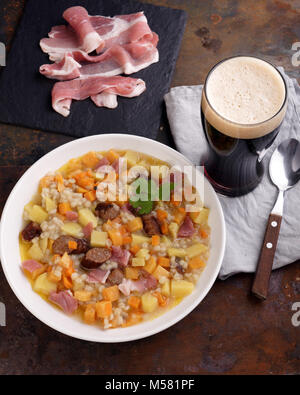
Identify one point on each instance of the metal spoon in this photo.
(284, 169)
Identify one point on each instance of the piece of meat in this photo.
(120, 255)
(95, 257)
(80, 21)
(79, 89)
(151, 226)
(31, 265)
(98, 276)
(102, 162)
(107, 211)
(65, 301)
(143, 284)
(61, 245)
(115, 277)
(108, 100)
(126, 59)
(187, 228)
(71, 215)
(31, 231)
(87, 230)
(119, 30)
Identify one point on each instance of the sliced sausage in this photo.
(107, 211)
(61, 245)
(95, 257)
(151, 226)
(115, 277)
(31, 231)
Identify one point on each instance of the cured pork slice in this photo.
(79, 89)
(118, 59)
(119, 30)
(88, 38)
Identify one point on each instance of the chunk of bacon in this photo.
(79, 89)
(87, 230)
(31, 265)
(120, 255)
(145, 283)
(98, 276)
(187, 228)
(65, 301)
(71, 215)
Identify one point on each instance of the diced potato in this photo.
(38, 214)
(83, 296)
(72, 229)
(28, 207)
(98, 239)
(160, 272)
(85, 216)
(35, 252)
(132, 157)
(181, 288)
(166, 289)
(89, 314)
(149, 303)
(179, 252)
(143, 253)
(201, 217)
(53, 277)
(140, 239)
(165, 240)
(43, 244)
(196, 249)
(173, 229)
(50, 204)
(138, 262)
(132, 273)
(43, 285)
(150, 265)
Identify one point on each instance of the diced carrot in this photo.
(60, 182)
(72, 244)
(90, 195)
(103, 308)
(164, 227)
(181, 209)
(81, 190)
(66, 261)
(134, 249)
(164, 262)
(196, 263)
(161, 214)
(203, 234)
(89, 315)
(135, 224)
(90, 159)
(64, 207)
(83, 296)
(162, 300)
(111, 293)
(150, 265)
(112, 155)
(127, 239)
(134, 302)
(115, 237)
(155, 240)
(67, 282)
(84, 180)
(132, 273)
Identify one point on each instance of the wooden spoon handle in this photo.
(264, 267)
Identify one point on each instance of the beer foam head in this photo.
(245, 91)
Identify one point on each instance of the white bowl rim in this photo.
(132, 337)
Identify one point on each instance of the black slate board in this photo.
(26, 95)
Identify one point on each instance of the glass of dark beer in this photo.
(243, 104)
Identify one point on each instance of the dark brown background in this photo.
(230, 331)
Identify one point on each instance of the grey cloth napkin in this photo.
(246, 216)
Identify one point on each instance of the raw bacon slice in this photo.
(104, 99)
(119, 30)
(79, 89)
(126, 59)
(80, 21)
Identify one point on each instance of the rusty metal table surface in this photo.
(229, 332)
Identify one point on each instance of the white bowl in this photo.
(11, 225)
